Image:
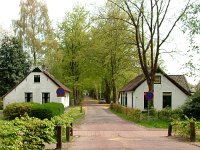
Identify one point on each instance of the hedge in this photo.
(47, 110)
(17, 109)
(134, 114)
(41, 111)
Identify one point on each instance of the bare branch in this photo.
(187, 6)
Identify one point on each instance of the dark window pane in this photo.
(45, 97)
(167, 99)
(157, 79)
(145, 102)
(36, 78)
(28, 97)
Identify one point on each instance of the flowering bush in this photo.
(26, 133)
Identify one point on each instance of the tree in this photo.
(191, 27)
(14, 63)
(111, 59)
(74, 38)
(192, 106)
(34, 28)
(146, 20)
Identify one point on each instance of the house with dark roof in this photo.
(169, 90)
(38, 86)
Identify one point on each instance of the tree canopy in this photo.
(14, 63)
(34, 29)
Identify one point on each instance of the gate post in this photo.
(59, 137)
(170, 129)
(192, 132)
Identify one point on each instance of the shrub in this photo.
(165, 113)
(69, 117)
(17, 109)
(26, 133)
(152, 111)
(57, 108)
(182, 127)
(47, 110)
(192, 107)
(134, 114)
(1, 104)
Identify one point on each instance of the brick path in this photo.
(102, 130)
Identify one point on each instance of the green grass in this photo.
(151, 123)
(154, 123)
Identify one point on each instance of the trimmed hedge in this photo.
(17, 110)
(47, 110)
(134, 114)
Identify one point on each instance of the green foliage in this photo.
(26, 133)
(14, 63)
(192, 106)
(1, 104)
(47, 110)
(34, 28)
(168, 114)
(31, 133)
(133, 114)
(69, 117)
(17, 110)
(182, 127)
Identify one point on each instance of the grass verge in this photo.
(151, 123)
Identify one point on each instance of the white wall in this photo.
(178, 97)
(28, 85)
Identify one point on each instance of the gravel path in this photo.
(102, 130)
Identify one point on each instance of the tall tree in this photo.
(110, 55)
(73, 36)
(191, 27)
(146, 19)
(14, 63)
(34, 28)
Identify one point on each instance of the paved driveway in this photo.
(102, 130)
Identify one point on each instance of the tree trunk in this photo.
(107, 91)
(114, 91)
(151, 89)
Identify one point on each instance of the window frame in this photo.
(30, 96)
(44, 100)
(157, 79)
(36, 78)
(165, 94)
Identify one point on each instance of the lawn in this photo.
(151, 123)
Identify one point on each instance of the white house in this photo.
(40, 87)
(169, 90)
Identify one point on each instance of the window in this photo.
(45, 97)
(157, 79)
(145, 101)
(28, 97)
(126, 99)
(36, 78)
(167, 99)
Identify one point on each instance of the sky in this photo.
(9, 10)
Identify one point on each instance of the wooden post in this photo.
(170, 129)
(81, 109)
(192, 132)
(59, 137)
(71, 129)
(67, 134)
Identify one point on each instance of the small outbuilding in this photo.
(38, 86)
(169, 90)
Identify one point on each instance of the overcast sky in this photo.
(9, 10)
